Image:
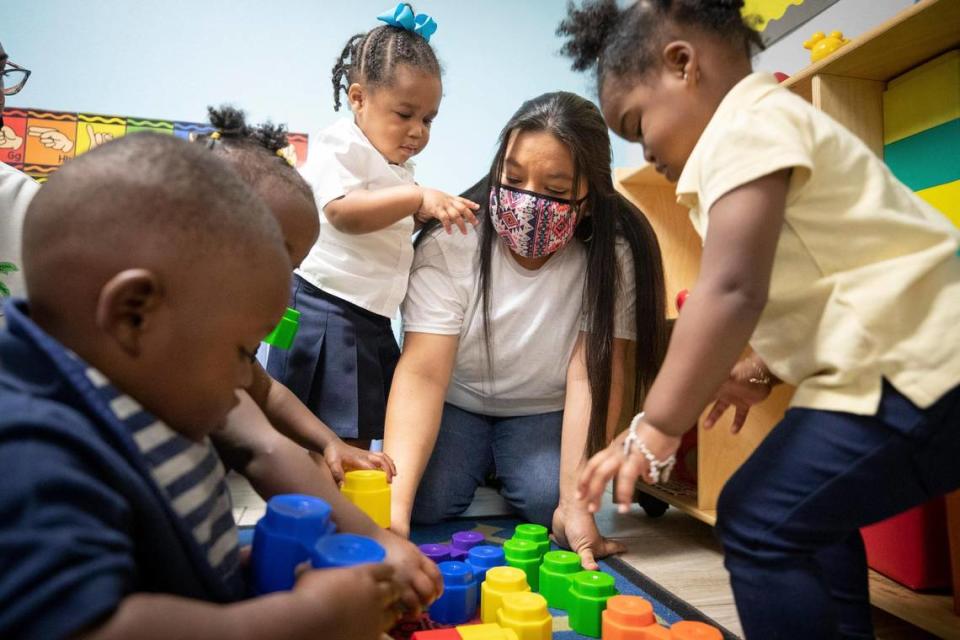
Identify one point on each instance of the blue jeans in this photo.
(789, 518)
(524, 451)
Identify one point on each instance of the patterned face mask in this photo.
(531, 224)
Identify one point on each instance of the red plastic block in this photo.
(436, 634)
(912, 548)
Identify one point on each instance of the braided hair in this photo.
(618, 41)
(373, 56)
(254, 151)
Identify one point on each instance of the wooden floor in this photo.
(675, 550)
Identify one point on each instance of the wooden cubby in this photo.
(849, 86)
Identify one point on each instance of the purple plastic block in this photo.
(436, 552)
(463, 541)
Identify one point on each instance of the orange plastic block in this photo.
(687, 630)
(628, 618)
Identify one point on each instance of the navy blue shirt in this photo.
(83, 523)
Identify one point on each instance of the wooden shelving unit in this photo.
(849, 86)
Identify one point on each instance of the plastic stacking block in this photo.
(922, 98)
(283, 538)
(926, 159)
(526, 613)
(536, 533)
(484, 557)
(486, 632)
(555, 573)
(369, 491)
(589, 592)
(436, 552)
(627, 618)
(286, 330)
(524, 555)
(345, 550)
(499, 581)
(462, 541)
(688, 630)
(437, 634)
(458, 604)
(945, 198)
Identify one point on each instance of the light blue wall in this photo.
(171, 58)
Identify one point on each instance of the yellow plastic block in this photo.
(486, 632)
(946, 199)
(499, 582)
(924, 97)
(526, 613)
(369, 491)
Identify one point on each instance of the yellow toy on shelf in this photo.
(369, 491)
(821, 45)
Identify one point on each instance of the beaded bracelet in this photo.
(659, 469)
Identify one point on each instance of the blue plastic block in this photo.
(458, 604)
(283, 537)
(345, 550)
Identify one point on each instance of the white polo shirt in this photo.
(16, 191)
(371, 269)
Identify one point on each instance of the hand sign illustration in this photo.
(97, 139)
(9, 138)
(51, 138)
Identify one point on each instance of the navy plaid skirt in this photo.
(341, 362)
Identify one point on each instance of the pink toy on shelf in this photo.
(780, 76)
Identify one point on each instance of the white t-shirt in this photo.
(371, 269)
(535, 317)
(16, 191)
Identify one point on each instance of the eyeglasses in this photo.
(13, 78)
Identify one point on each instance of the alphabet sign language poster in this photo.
(38, 142)
(776, 18)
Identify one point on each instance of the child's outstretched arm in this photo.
(294, 420)
(364, 211)
(275, 464)
(709, 335)
(358, 603)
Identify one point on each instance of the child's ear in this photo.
(680, 60)
(355, 96)
(126, 307)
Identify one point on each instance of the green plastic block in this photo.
(555, 573)
(523, 555)
(283, 334)
(589, 592)
(535, 533)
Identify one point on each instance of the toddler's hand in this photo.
(449, 210)
(741, 390)
(362, 601)
(341, 457)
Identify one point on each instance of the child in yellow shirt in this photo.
(844, 283)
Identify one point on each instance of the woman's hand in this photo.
(612, 461)
(575, 529)
(749, 383)
(342, 457)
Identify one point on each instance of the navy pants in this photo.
(524, 451)
(789, 518)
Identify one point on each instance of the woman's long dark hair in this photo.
(577, 123)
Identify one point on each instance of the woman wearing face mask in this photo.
(516, 335)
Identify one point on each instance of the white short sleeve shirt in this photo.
(535, 318)
(16, 191)
(370, 270)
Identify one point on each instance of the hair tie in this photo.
(286, 157)
(402, 16)
(215, 135)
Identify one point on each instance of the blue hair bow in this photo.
(403, 17)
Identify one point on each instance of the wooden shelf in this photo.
(915, 35)
(686, 504)
(930, 612)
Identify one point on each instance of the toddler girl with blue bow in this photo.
(352, 282)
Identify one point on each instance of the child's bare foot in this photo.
(361, 602)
